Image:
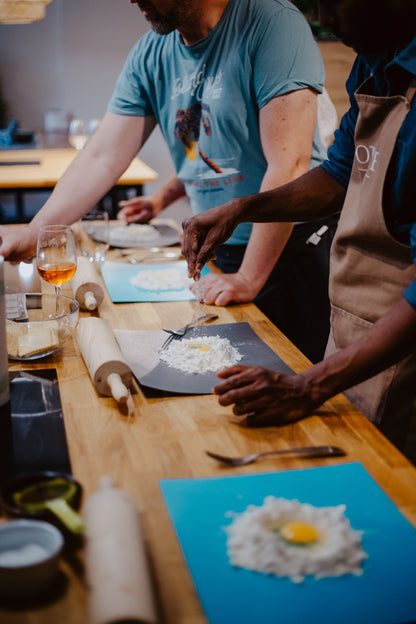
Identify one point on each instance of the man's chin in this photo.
(384, 42)
(161, 28)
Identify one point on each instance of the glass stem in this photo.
(57, 293)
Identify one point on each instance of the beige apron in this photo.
(369, 267)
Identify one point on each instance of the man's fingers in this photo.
(230, 372)
(238, 388)
(205, 254)
(224, 298)
(190, 246)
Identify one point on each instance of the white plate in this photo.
(164, 235)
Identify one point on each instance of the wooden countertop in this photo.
(167, 438)
(49, 164)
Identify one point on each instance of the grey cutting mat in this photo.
(141, 352)
(39, 438)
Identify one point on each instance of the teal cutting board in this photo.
(117, 275)
(384, 594)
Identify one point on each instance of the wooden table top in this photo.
(166, 438)
(49, 164)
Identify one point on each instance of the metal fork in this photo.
(306, 451)
(178, 333)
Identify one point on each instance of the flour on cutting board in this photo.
(288, 538)
(200, 355)
(167, 279)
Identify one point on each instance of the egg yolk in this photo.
(299, 532)
(200, 347)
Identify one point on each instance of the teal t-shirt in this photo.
(206, 97)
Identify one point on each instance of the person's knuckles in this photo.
(222, 300)
(224, 400)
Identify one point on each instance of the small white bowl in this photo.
(29, 557)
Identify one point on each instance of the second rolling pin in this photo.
(106, 365)
(86, 286)
(117, 568)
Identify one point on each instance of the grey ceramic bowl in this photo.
(29, 557)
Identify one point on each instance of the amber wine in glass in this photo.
(56, 256)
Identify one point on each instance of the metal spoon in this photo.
(306, 451)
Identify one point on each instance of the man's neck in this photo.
(205, 19)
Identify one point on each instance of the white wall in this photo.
(70, 60)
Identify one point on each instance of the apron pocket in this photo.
(370, 396)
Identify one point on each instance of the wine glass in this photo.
(56, 256)
(94, 235)
(78, 133)
(92, 126)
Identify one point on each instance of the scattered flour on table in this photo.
(290, 539)
(170, 279)
(200, 355)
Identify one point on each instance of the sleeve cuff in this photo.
(410, 294)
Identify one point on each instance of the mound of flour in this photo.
(256, 541)
(172, 279)
(200, 355)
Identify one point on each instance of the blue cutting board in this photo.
(384, 594)
(117, 275)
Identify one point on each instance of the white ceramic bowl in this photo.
(29, 557)
(49, 321)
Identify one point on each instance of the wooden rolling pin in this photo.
(86, 286)
(106, 365)
(115, 557)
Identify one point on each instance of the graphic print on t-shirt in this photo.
(187, 130)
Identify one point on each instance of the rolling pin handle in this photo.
(90, 301)
(118, 389)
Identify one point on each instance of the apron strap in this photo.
(410, 93)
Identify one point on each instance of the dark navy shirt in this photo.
(391, 77)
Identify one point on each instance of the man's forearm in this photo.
(388, 341)
(310, 197)
(170, 192)
(263, 251)
(83, 184)
(95, 169)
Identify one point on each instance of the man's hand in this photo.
(17, 244)
(264, 397)
(203, 233)
(136, 210)
(221, 289)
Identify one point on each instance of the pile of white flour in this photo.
(256, 541)
(172, 279)
(200, 355)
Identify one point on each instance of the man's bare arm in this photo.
(91, 174)
(269, 398)
(313, 196)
